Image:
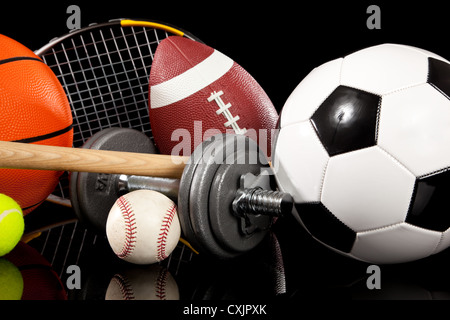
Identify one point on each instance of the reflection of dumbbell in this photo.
(225, 201)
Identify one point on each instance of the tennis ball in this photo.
(12, 224)
(11, 281)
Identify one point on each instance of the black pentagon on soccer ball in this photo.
(439, 75)
(325, 227)
(429, 207)
(347, 120)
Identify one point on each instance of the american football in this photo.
(195, 92)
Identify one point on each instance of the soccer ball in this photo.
(364, 149)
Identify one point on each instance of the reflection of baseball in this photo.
(143, 227)
(143, 283)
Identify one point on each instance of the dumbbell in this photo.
(226, 202)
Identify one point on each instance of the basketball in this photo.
(33, 109)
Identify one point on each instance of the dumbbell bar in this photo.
(254, 201)
(208, 189)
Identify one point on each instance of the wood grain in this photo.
(15, 155)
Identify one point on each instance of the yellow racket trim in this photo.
(187, 244)
(148, 24)
(30, 236)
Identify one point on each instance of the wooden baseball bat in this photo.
(14, 155)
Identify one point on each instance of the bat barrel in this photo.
(15, 155)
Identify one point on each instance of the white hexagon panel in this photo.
(311, 93)
(367, 189)
(414, 128)
(394, 244)
(389, 68)
(306, 160)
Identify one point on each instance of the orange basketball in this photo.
(33, 109)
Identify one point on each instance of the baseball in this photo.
(143, 227)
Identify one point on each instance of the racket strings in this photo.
(105, 74)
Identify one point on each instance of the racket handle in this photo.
(14, 155)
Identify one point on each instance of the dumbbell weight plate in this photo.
(226, 226)
(201, 182)
(93, 194)
(185, 192)
(212, 191)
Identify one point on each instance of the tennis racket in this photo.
(104, 69)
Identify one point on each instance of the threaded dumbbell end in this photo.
(259, 201)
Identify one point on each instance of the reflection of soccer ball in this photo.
(364, 149)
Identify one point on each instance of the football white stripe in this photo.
(191, 81)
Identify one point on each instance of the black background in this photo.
(279, 43)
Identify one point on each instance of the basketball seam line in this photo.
(19, 59)
(45, 136)
(34, 205)
(164, 231)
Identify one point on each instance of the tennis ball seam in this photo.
(5, 213)
(12, 224)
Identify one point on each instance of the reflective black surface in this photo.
(288, 266)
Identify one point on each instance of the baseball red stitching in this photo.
(130, 227)
(164, 232)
